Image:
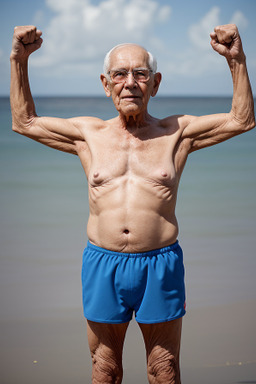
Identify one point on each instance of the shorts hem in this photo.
(107, 321)
(161, 320)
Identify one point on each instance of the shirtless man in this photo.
(133, 164)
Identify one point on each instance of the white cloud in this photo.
(66, 5)
(164, 14)
(39, 18)
(199, 33)
(239, 19)
(81, 32)
(199, 57)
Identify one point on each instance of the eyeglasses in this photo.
(141, 75)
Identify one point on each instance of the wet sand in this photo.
(218, 346)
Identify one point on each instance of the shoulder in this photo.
(89, 126)
(176, 123)
(88, 122)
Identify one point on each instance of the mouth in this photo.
(130, 97)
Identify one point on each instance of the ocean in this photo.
(44, 211)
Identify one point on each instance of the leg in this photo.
(106, 345)
(162, 343)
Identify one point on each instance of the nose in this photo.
(130, 81)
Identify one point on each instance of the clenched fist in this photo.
(227, 42)
(26, 39)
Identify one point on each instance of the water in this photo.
(44, 211)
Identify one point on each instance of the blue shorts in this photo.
(116, 284)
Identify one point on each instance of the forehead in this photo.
(129, 56)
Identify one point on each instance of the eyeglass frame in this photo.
(130, 72)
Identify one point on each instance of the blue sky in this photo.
(78, 33)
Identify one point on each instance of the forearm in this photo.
(22, 104)
(242, 111)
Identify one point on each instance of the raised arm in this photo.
(209, 130)
(54, 132)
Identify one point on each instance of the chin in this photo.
(131, 113)
(132, 106)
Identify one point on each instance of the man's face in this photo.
(130, 97)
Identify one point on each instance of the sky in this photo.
(78, 33)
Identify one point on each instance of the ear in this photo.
(157, 81)
(105, 84)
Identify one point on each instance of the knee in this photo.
(163, 367)
(106, 368)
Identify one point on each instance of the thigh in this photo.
(162, 342)
(107, 339)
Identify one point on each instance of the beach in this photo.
(44, 211)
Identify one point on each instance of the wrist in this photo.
(241, 59)
(16, 59)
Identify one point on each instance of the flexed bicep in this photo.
(58, 133)
(212, 129)
(205, 131)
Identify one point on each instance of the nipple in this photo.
(164, 173)
(96, 174)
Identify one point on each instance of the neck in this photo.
(131, 122)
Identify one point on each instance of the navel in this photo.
(126, 231)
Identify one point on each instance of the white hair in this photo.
(152, 63)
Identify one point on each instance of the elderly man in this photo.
(133, 163)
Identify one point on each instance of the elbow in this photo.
(243, 125)
(16, 128)
(248, 126)
(251, 123)
(19, 128)
(22, 127)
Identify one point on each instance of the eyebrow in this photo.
(134, 69)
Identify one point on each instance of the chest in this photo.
(115, 157)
